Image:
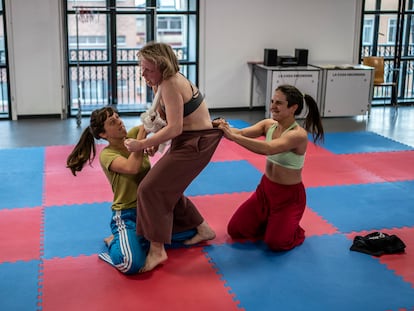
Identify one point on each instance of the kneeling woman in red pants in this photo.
(274, 210)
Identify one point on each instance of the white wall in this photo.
(233, 32)
(36, 67)
(237, 31)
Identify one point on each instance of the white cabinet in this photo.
(266, 79)
(346, 90)
(307, 81)
(339, 90)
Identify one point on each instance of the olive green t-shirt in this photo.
(124, 186)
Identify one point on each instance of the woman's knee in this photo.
(238, 230)
(233, 229)
(130, 259)
(134, 268)
(283, 243)
(278, 244)
(128, 265)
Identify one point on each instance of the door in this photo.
(103, 40)
(5, 104)
(387, 29)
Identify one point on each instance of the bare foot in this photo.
(109, 239)
(155, 257)
(204, 233)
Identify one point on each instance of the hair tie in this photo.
(91, 132)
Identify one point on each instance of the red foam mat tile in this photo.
(88, 187)
(315, 149)
(313, 224)
(401, 264)
(61, 187)
(56, 156)
(391, 166)
(259, 163)
(331, 170)
(217, 211)
(20, 234)
(186, 281)
(230, 151)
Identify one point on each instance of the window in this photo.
(411, 31)
(88, 41)
(169, 23)
(392, 30)
(168, 4)
(367, 32)
(102, 73)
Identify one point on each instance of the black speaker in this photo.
(270, 57)
(302, 57)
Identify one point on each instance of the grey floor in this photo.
(397, 124)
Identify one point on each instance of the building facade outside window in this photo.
(102, 73)
(387, 30)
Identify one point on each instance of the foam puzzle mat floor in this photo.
(53, 225)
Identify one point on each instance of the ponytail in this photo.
(313, 122)
(84, 151)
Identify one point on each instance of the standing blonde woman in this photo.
(180, 115)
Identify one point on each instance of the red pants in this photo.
(273, 213)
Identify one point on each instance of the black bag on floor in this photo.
(377, 244)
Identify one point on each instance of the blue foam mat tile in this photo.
(366, 206)
(321, 274)
(22, 178)
(22, 159)
(238, 123)
(406, 186)
(73, 230)
(225, 177)
(19, 286)
(361, 142)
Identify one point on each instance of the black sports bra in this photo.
(193, 103)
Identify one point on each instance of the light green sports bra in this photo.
(286, 159)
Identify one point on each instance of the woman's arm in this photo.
(256, 130)
(246, 138)
(174, 109)
(133, 163)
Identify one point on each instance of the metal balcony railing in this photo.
(89, 79)
(405, 78)
(4, 94)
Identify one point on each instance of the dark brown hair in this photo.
(85, 149)
(313, 121)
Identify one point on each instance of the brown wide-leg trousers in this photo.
(163, 209)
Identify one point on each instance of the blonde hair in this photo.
(162, 55)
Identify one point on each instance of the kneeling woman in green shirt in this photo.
(125, 170)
